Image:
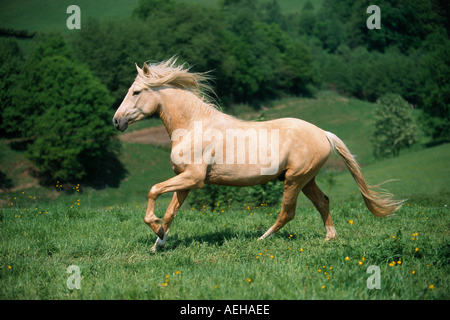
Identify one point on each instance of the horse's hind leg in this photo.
(321, 202)
(291, 191)
(177, 200)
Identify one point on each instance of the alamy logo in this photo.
(73, 22)
(374, 21)
(74, 281)
(374, 281)
(258, 148)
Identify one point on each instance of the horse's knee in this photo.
(152, 193)
(287, 216)
(290, 216)
(148, 220)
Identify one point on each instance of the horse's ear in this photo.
(137, 68)
(146, 69)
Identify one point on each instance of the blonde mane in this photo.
(167, 73)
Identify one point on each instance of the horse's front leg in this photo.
(185, 181)
(177, 200)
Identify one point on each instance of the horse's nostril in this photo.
(116, 122)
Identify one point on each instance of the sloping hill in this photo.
(424, 171)
(350, 119)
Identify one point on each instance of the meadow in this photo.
(215, 255)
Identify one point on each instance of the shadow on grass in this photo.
(219, 238)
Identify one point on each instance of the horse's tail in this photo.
(380, 204)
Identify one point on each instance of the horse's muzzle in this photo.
(121, 124)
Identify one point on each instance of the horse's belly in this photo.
(239, 175)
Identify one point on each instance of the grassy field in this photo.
(213, 255)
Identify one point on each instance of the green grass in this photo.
(218, 257)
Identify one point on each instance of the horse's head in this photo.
(140, 102)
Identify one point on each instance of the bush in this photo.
(394, 126)
(75, 128)
(65, 113)
(217, 197)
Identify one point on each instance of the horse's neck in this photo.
(180, 108)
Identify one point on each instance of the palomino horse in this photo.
(297, 148)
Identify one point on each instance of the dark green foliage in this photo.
(65, 113)
(298, 70)
(435, 89)
(403, 23)
(74, 128)
(223, 198)
(10, 63)
(157, 31)
(369, 75)
(29, 100)
(308, 6)
(394, 126)
(5, 181)
(16, 33)
(111, 48)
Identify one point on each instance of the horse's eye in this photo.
(136, 93)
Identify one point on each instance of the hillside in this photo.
(350, 119)
(424, 171)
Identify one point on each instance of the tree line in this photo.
(60, 98)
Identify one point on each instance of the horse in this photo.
(201, 135)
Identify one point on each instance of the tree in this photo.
(298, 70)
(111, 48)
(65, 112)
(435, 88)
(24, 107)
(394, 126)
(10, 62)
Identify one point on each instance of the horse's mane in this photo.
(167, 73)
